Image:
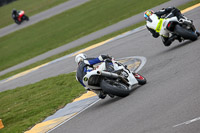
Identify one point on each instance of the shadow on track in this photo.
(109, 100)
(178, 46)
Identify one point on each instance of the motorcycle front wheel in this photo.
(17, 22)
(141, 80)
(115, 88)
(186, 34)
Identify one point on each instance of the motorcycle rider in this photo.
(16, 14)
(85, 65)
(153, 23)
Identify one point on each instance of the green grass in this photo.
(87, 44)
(71, 50)
(66, 27)
(25, 106)
(30, 7)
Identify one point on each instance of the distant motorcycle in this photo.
(19, 16)
(113, 77)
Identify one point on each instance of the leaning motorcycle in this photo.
(113, 78)
(20, 18)
(183, 28)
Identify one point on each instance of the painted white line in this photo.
(141, 58)
(73, 116)
(188, 122)
(143, 62)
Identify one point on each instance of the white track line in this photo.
(188, 122)
(73, 116)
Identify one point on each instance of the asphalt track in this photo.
(168, 103)
(60, 67)
(42, 16)
(72, 3)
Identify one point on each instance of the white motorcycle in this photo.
(113, 78)
(184, 28)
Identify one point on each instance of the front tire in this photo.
(115, 88)
(141, 80)
(186, 34)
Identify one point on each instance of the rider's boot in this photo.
(111, 95)
(197, 32)
(168, 40)
(179, 39)
(102, 95)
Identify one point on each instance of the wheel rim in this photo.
(116, 84)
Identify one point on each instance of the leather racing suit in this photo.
(86, 66)
(153, 24)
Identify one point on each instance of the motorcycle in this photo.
(113, 78)
(20, 17)
(183, 28)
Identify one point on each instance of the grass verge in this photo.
(25, 106)
(66, 27)
(71, 50)
(87, 44)
(30, 7)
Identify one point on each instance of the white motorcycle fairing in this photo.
(131, 80)
(160, 25)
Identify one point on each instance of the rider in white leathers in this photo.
(154, 24)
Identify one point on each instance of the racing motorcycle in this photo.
(113, 78)
(20, 17)
(183, 28)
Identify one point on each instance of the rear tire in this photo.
(186, 34)
(26, 18)
(115, 88)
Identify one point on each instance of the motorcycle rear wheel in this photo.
(25, 18)
(186, 34)
(115, 88)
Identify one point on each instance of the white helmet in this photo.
(80, 57)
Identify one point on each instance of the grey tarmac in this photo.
(168, 103)
(120, 25)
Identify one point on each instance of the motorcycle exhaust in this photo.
(108, 74)
(112, 75)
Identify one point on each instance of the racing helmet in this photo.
(80, 57)
(14, 11)
(147, 14)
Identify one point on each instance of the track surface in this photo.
(60, 67)
(42, 16)
(168, 103)
(120, 25)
